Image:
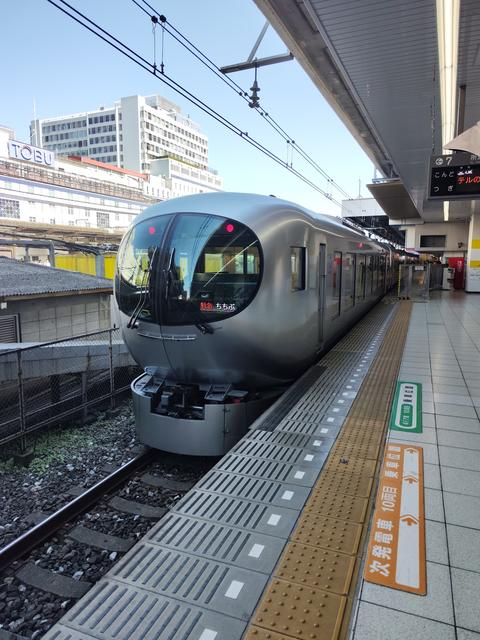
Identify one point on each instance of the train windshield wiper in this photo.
(144, 292)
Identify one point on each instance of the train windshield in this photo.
(213, 269)
(205, 268)
(137, 268)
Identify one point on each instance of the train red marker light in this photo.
(229, 228)
(151, 230)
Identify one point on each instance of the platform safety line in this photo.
(312, 590)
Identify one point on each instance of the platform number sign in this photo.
(406, 412)
(454, 176)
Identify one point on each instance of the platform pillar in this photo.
(472, 282)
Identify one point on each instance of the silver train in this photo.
(224, 299)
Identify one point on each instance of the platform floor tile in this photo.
(246, 549)
(266, 491)
(466, 587)
(197, 581)
(271, 520)
(381, 623)
(277, 452)
(113, 610)
(299, 473)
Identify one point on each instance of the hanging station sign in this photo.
(454, 176)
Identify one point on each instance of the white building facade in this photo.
(132, 134)
(38, 186)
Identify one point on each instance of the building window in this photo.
(438, 242)
(52, 220)
(32, 219)
(103, 220)
(297, 260)
(9, 208)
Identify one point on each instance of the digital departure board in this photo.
(455, 176)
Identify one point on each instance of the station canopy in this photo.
(379, 64)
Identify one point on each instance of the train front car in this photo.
(189, 272)
(225, 299)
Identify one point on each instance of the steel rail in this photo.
(45, 529)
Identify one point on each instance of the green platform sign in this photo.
(407, 408)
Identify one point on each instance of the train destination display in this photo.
(454, 176)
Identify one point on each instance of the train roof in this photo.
(250, 209)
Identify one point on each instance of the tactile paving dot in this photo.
(316, 567)
(329, 533)
(300, 611)
(352, 484)
(337, 505)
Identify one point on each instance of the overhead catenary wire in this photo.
(135, 57)
(263, 112)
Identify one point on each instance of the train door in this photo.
(322, 274)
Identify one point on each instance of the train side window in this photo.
(334, 285)
(375, 273)
(369, 281)
(348, 281)
(360, 278)
(381, 273)
(297, 260)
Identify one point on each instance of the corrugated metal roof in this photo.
(28, 279)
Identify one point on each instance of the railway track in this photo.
(66, 552)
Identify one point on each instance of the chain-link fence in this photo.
(45, 384)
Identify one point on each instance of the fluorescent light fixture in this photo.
(448, 18)
(446, 210)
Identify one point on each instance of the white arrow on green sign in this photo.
(406, 412)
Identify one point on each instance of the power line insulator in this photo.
(254, 99)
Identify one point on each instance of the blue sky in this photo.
(64, 68)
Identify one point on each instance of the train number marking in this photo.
(288, 495)
(208, 634)
(309, 457)
(299, 475)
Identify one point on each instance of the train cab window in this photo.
(348, 281)
(360, 278)
(212, 269)
(334, 283)
(137, 255)
(297, 259)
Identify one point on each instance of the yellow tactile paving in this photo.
(352, 484)
(349, 464)
(311, 592)
(257, 633)
(316, 567)
(299, 611)
(336, 505)
(329, 533)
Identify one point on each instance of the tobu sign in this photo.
(22, 151)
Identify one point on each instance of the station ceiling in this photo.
(376, 63)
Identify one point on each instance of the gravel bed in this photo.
(65, 458)
(43, 486)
